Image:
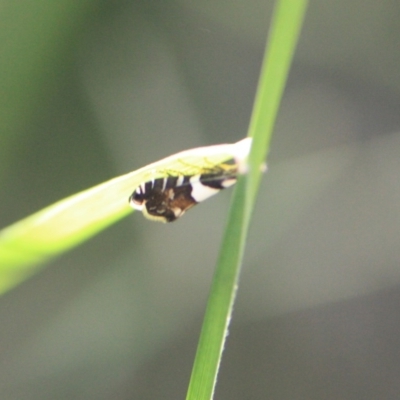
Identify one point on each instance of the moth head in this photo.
(162, 204)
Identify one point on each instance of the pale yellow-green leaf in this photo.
(70, 221)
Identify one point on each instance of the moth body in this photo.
(166, 199)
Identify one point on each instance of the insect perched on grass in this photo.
(166, 198)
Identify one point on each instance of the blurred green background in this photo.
(94, 89)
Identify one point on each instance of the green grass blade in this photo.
(287, 20)
(63, 225)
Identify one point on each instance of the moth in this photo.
(167, 198)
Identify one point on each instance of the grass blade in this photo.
(285, 30)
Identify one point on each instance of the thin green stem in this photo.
(285, 30)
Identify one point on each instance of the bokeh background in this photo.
(93, 89)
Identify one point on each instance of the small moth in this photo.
(167, 198)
